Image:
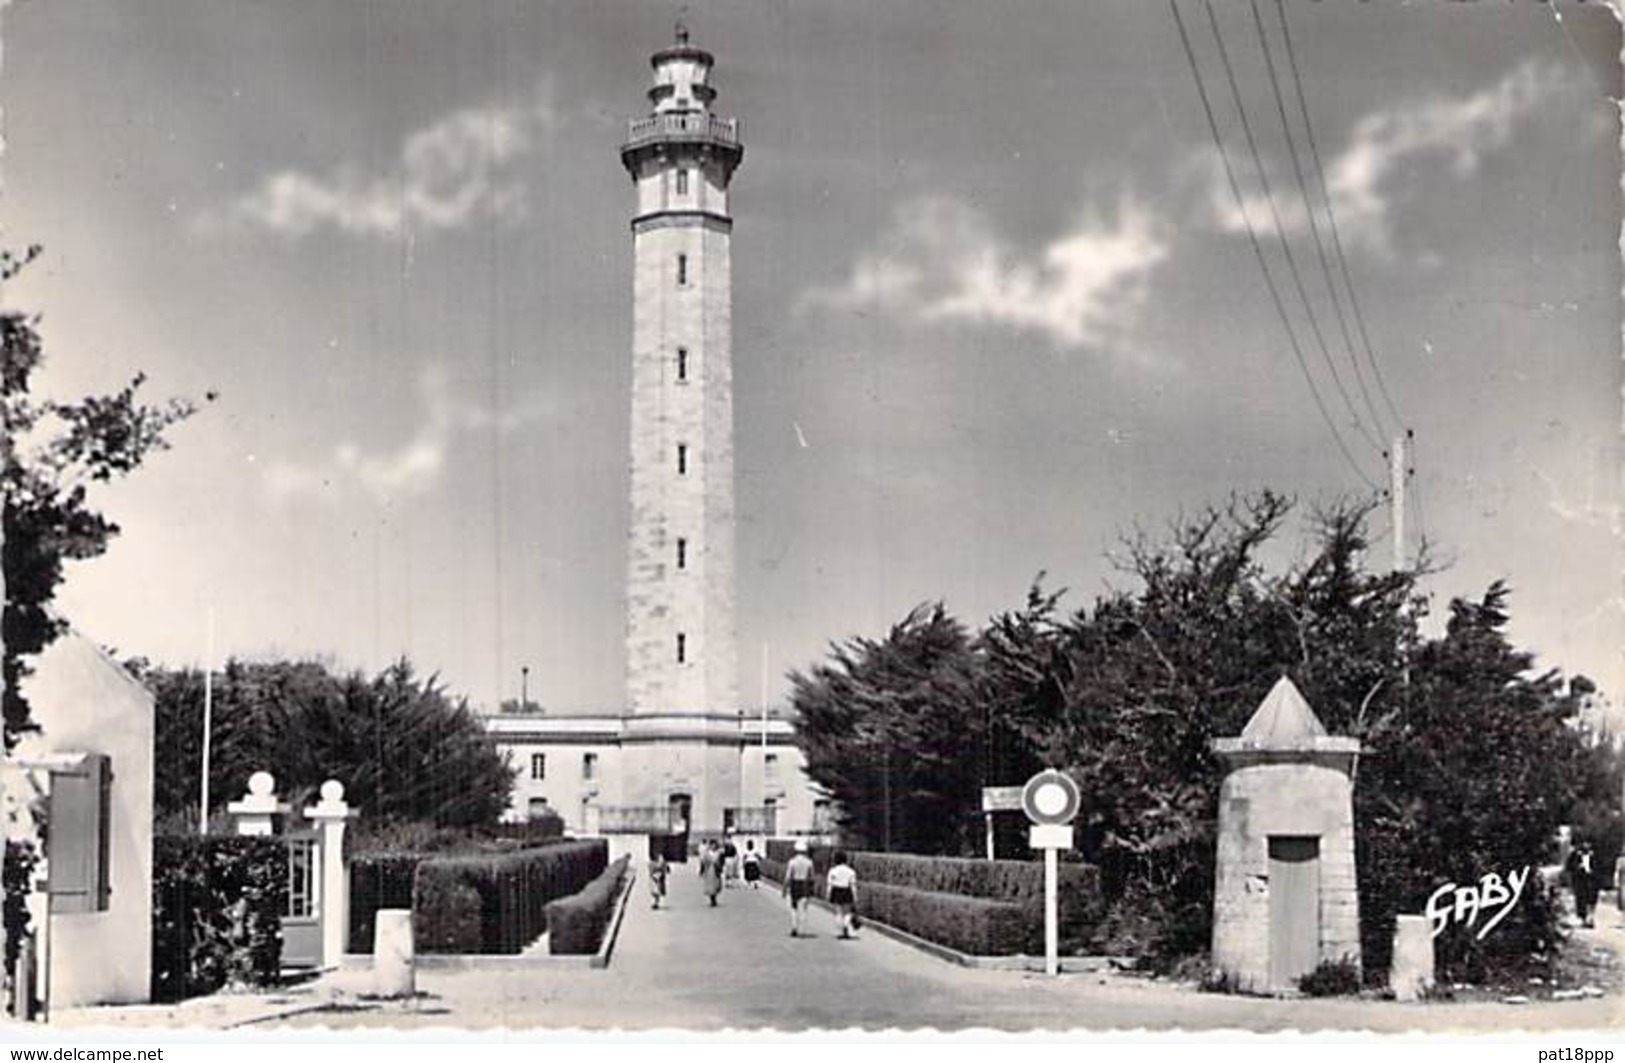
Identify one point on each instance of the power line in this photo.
(1280, 229)
(1258, 251)
(1331, 217)
(1314, 231)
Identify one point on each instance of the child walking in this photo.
(658, 870)
(798, 885)
(843, 894)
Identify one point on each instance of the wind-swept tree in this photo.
(1471, 760)
(889, 729)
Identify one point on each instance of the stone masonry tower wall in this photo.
(681, 670)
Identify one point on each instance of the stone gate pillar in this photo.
(256, 813)
(1284, 897)
(329, 815)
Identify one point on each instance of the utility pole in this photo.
(1398, 469)
(524, 688)
(1396, 496)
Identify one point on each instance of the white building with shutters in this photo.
(91, 766)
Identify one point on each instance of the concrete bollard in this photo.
(1412, 972)
(394, 973)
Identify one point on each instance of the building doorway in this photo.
(681, 814)
(1294, 908)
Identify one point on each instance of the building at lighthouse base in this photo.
(678, 778)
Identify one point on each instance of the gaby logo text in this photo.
(1451, 903)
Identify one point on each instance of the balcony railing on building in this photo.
(631, 819)
(751, 819)
(682, 125)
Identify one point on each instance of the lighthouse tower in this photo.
(681, 735)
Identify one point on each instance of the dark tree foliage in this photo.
(1479, 767)
(890, 727)
(402, 747)
(1471, 762)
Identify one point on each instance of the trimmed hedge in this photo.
(385, 866)
(217, 905)
(378, 880)
(970, 924)
(1019, 883)
(576, 924)
(498, 903)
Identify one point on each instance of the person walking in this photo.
(798, 885)
(843, 894)
(1583, 880)
(711, 871)
(752, 865)
(730, 861)
(658, 870)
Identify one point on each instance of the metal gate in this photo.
(302, 922)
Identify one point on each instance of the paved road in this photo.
(735, 966)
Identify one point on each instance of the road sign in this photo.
(1050, 797)
(1050, 835)
(1001, 799)
(1050, 800)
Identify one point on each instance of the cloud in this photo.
(412, 468)
(453, 173)
(941, 261)
(1378, 169)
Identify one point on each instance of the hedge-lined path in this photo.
(696, 967)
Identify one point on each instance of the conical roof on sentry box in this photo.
(1285, 728)
(1283, 719)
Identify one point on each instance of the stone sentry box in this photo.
(1285, 898)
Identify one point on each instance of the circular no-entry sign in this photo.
(1050, 797)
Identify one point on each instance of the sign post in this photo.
(1050, 800)
(998, 799)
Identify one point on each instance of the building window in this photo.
(682, 553)
(682, 182)
(682, 269)
(682, 647)
(771, 766)
(682, 459)
(682, 365)
(538, 765)
(79, 874)
(589, 766)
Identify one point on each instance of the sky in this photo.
(995, 304)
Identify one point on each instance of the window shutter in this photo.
(77, 845)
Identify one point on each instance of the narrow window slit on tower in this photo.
(682, 459)
(682, 364)
(682, 553)
(682, 269)
(682, 182)
(682, 647)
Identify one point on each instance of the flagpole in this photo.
(208, 724)
(764, 739)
